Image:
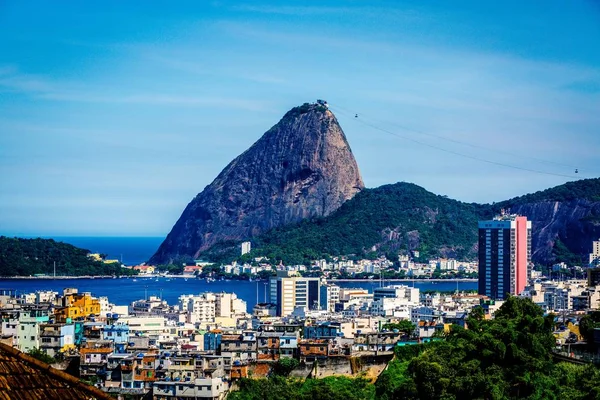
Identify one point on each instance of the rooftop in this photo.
(24, 377)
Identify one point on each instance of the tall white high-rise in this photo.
(330, 294)
(246, 247)
(595, 254)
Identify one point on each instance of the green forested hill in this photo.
(395, 217)
(391, 217)
(23, 257)
(585, 189)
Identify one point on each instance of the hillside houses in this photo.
(198, 347)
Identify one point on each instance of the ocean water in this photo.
(131, 250)
(123, 291)
(135, 250)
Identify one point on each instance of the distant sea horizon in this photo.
(130, 250)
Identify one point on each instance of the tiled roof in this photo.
(23, 377)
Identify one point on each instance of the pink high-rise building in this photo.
(504, 256)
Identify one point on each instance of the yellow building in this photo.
(77, 305)
(144, 269)
(95, 256)
(98, 257)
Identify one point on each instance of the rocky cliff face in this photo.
(302, 167)
(574, 222)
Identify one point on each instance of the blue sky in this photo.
(114, 115)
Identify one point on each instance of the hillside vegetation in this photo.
(24, 257)
(394, 218)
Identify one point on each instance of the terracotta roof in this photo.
(23, 377)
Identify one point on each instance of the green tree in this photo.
(41, 355)
(285, 366)
(402, 326)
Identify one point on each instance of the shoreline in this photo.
(63, 277)
(406, 280)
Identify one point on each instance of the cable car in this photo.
(576, 171)
(355, 115)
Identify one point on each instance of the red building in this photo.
(504, 256)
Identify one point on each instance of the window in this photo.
(22, 328)
(33, 338)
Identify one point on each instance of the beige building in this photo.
(595, 254)
(289, 291)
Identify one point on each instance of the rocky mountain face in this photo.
(302, 167)
(574, 222)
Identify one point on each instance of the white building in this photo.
(330, 294)
(144, 325)
(206, 308)
(246, 247)
(410, 294)
(392, 307)
(45, 296)
(595, 254)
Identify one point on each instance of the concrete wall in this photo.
(370, 366)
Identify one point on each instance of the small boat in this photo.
(134, 280)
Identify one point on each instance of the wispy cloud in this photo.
(292, 10)
(180, 61)
(12, 80)
(371, 11)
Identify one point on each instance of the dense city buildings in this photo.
(504, 256)
(200, 346)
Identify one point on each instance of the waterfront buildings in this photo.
(504, 256)
(288, 291)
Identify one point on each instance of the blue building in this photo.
(78, 333)
(322, 331)
(212, 341)
(119, 334)
(288, 346)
